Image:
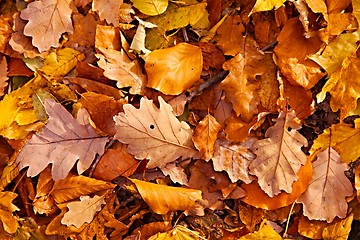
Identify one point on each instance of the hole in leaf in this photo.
(152, 126)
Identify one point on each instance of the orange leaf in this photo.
(205, 136)
(3, 75)
(173, 70)
(231, 35)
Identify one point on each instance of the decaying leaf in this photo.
(82, 211)
(48, 19)
(205, 136)
(174, 199)
(173, 70)
(64, 141)
(324, 199)
(155, 134)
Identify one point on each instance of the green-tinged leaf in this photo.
(151, 7)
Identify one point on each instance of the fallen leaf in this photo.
(17, 67)
(47, 21)
(178, 232)
(339, 230)
(312, 229)
(82, 211)
(5, 31)
(237, 130)
(57, 139)
(324, 199)
(357, 182)
(84, 31)
(234, 159)
(73, 187)
(250, 216)
(7, 218)
(205, 136)
(151, 7)
(231, 38)
(108, 10)
(43, 203)
(146, 231)
(264, 5)
(240, 85)
(279, 156)
(175, 199)
(173, 70)
(265, 232)
(138, 42)
(155, 134)
(3, 75)
(212, 56)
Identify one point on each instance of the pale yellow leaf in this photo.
(324, 199)
(173, 70)
(279, 156)
(177, 233)
(205, 136)
(266, 5)
(176, 198)
(151, 7)
(82, 211)
(155, 134)
(48, 20)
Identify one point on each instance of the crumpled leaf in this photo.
(151, 7)
(3, 75)
(324, 199)
(48, 20)
(177, 233)
(74, 186)
(266, 5)
(205, 136)
(173, 70)
(82, 211)
(176, 198)
(234, 159)
(7, 218)
(155, 134)
(240, 85)
(279, 156)
(343, 86)
(63, 141)
(108, 10)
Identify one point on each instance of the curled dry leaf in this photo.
(155, 134)
(48, 20)
(324, 199)
(176, 198)
(173, 70)
(63, 141)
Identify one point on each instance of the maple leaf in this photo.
(63, 141)
(151, 7)
(240, 85)
(3, 75)
(234, 159)
(8, 220)
(82, 211)
(48, 20)
(173, 70)
(324, 199)
(108, 10)
(175, 199)
(279, 156)
(205, 136)
(155, 134)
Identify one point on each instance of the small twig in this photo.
(271, 45)
(214, 79)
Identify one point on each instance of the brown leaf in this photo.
(231, 35)
(237, 130)
(205, 136)
(155, 134)
(63, 140)
(5, 34)
(47, 21)
(43, 202)
(324, 199)
(108, 10)
(84, 31)
(17, 67)
(3, 75)
(234, 159)
(212, 56)
(250, 216)
(279, 156)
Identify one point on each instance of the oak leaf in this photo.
(234, 159)
(3, 75)
(279, 156)
(173, 70)
(324, 199)
(108, 10)
(205, 136)
(175, 198)
(47, 21)
(82, 211)
(155, 134)
(63, 140)
(240, 85)
(151, 7)
(7, 218)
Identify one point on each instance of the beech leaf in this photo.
(279, 156)
(82, 211)
(324, 199)
(155, 134)
(62, 141)
(176, 198)
(48, 20)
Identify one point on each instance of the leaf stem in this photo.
(288, 219)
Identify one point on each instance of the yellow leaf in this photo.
(312, 229)
(173, 70)
(60, 62)
(9, 173)
(339, 230)
(177, 233)
(9, 221)
(176, 198)
(357, 182)
(205, 136)
(266, 5)
(151, 7)
(265, 232)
